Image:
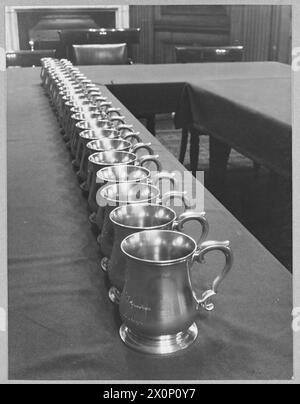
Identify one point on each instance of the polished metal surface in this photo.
(125, 194)
(117, 174)
(162, 345)
(122, 174)
(75, 130)
(82, 154)
(108, 144)
(119, 194)
(158, 300)
(111, 157)
(99, 160)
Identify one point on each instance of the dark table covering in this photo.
(247, 105)
(62, 325)
(253, 116)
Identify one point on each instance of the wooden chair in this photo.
(200, 54)
(69, 37)
(103, 54)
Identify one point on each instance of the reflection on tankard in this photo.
(158, 305)
(129, 219)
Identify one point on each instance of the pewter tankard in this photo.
(95, 120)
(86, 136)
(68, 108)
(74, 131)
(100, 160)
(124, 194)
(129, 219)
(128, 174)
(158, 305)
(103, 144)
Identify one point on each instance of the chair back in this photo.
(130, 36)
(104, 54)
(205, 54)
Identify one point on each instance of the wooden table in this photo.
(61, 322)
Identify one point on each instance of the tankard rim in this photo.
(161, 262)
(102, 163)
(114, 181)
(144, 228)
(119, 141)
(144, 201)
(83, 134)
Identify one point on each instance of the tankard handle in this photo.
(146, 159)
(185, 217)
(104, 105)
(116, 111)
(176, 195)
(203, 249)
(117, 120)
(130, 136)
(125, 128)
(164, 175)
(140, 146)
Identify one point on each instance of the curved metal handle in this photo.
(125, 128)
(111, 111)
(177, 195)
(207, 246)
(189, 216)
(104, 105)
(130, 136)
(139, 146)
(117, 120)
(153, 158)
(164, 175)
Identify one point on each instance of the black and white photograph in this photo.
(148, 194)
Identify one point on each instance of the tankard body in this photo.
(128, 174)
(158, 305)
(99, 160)
(129, 219)
(83, 152)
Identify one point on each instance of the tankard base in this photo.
(104, 264)
(163, 345)
(114, 295)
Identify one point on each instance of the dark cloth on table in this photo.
(62, 325)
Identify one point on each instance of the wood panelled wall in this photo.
(265, 31)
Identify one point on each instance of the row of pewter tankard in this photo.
(130, 175)
(124, 194)
(86, 136)
(149, 258)
(129, 219)
(99, 160)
